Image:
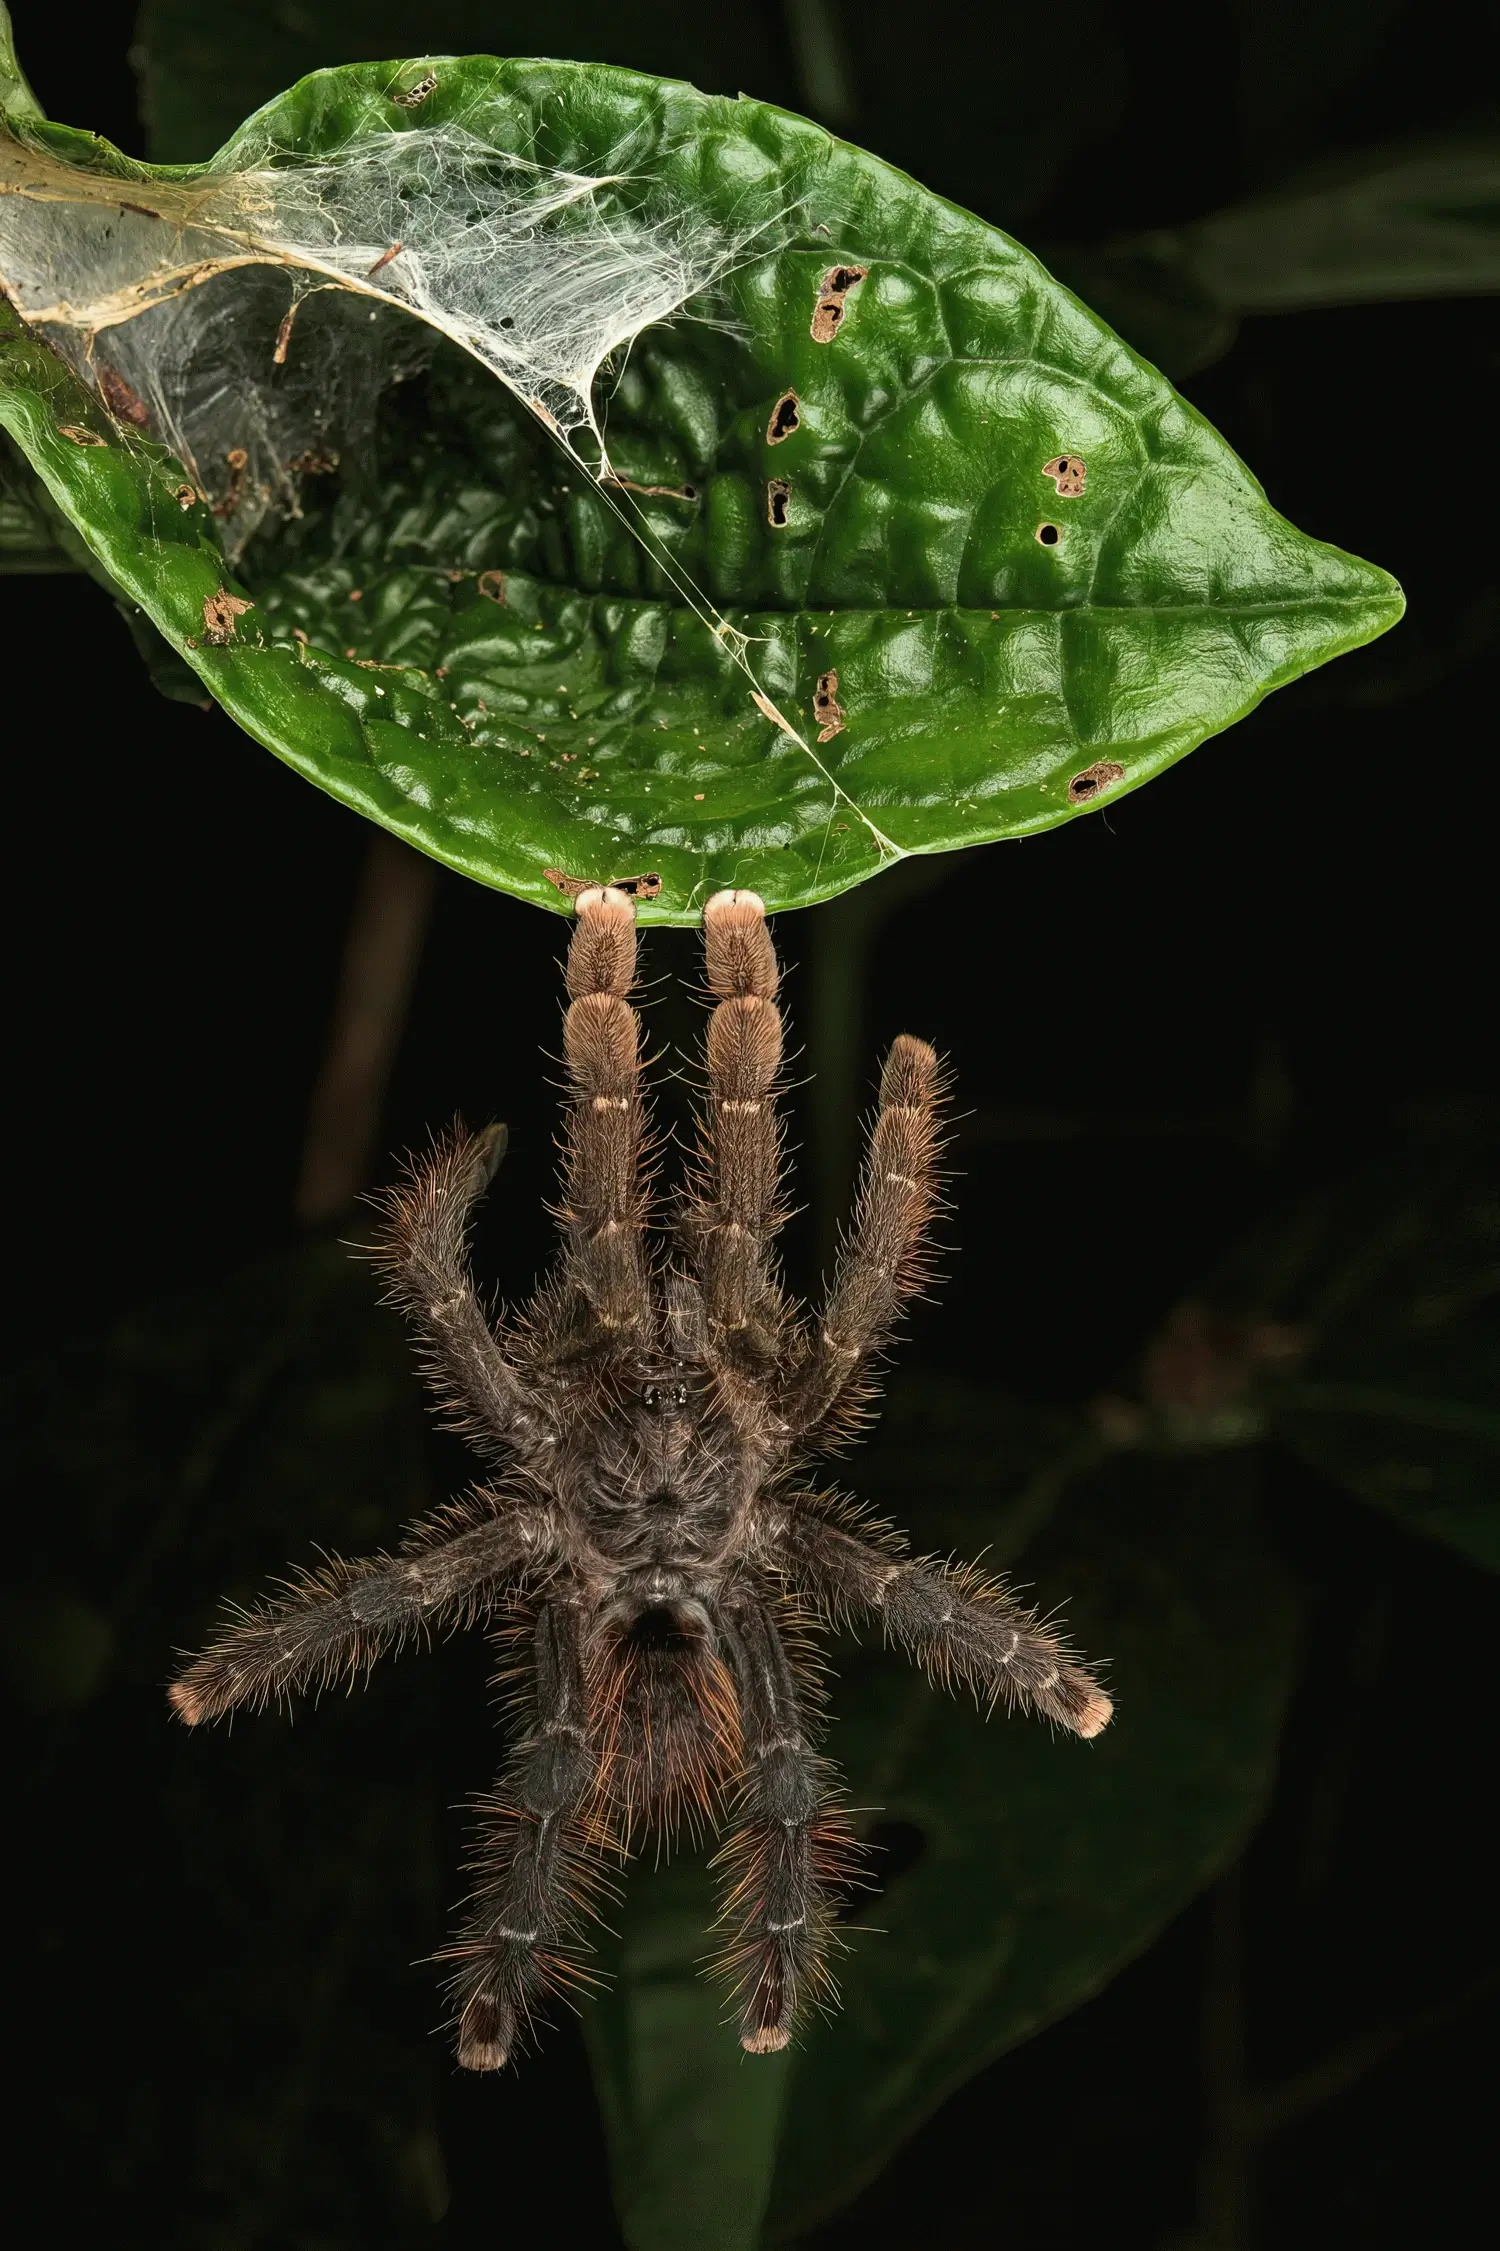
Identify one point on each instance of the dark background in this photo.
(1165, 1020)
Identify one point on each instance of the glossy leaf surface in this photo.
(994, 637)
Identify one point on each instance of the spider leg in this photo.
(965, 1630)
(790, 1843)
(520, 1937)
(884, 1258)
(423, 1252)
(602, 1292)
(731, 1212)
(338, 1620)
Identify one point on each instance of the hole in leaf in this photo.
(778, 502)
(784, 419)
(1048, 535)
(1067, 472)
(828, 314)
(1102, 775)
(827, 709)
(414, 96)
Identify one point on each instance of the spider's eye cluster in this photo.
(664, 1398)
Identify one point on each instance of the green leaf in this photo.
(29, 538)
(1044, 1866)
(18, 105)
(597, 721)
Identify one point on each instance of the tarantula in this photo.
(647, 1416)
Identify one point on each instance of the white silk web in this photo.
(170, 287)
(183, 303)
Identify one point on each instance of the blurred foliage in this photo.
(1407, 222)
(164, 1468)
(1362, 1332)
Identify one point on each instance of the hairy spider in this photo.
(646, 1529)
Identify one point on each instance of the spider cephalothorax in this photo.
(646, 1531)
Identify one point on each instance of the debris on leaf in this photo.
(652, 492)
(80, 437)
(119, 397)
(238, 461)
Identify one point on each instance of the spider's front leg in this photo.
(790, 1844)
(732, 1212)
(884, 1260)
(520, 1939)
(963, 1629)
(422, 1250)
(601, 1294)
(337, 1621)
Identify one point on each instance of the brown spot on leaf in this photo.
(492, 586)
(827, 709)
(186, 496)
(638, 886)
(79, 436)
(828, 313)
(1067, 472)
(778, 502)
(784, 419)
(219, 614)
(1094, 780)
(414, 96)
(1048, 535)
(119, 397)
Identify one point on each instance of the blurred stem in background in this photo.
(823, 63)
(382, 953)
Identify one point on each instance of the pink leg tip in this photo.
(184, 1703)
(766, 2041)
(723, 902)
